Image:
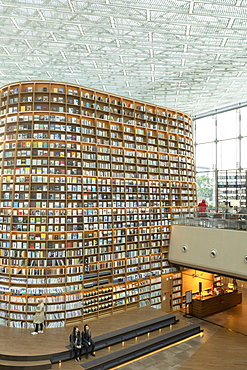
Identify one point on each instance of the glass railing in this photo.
(220, 220)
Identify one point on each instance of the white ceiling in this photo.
(183, 54)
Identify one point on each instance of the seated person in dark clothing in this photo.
(87, 341)
(75, 342)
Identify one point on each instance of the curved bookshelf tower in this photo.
(90, 182)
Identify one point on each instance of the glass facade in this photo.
(221, 158)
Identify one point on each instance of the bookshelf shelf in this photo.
(89, 185)
(177, 291)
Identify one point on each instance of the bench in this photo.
(141, 349)
(117, 336)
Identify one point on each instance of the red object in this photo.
(202, 206)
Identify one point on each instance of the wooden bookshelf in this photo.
(177, 291)
(90, 184)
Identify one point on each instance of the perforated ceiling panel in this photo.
(189, 55)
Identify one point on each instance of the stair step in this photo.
(117, 336)
(25, 365)
(129, 354)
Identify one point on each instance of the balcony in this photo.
(214, 243)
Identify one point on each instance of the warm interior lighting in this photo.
(157, 351)
(50, 233)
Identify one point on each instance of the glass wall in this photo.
(221, 158)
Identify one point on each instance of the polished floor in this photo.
(56, 340)
(222, 347)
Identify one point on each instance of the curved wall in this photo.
(90, 182)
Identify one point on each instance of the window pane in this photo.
(227, 154)
(227, 125)
(244, 152)
(205, 157)
(205, 182)
(205, 130)
(244, 121)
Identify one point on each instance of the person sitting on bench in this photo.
(87, 341)
(75, 342)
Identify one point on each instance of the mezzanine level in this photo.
(215, 244)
